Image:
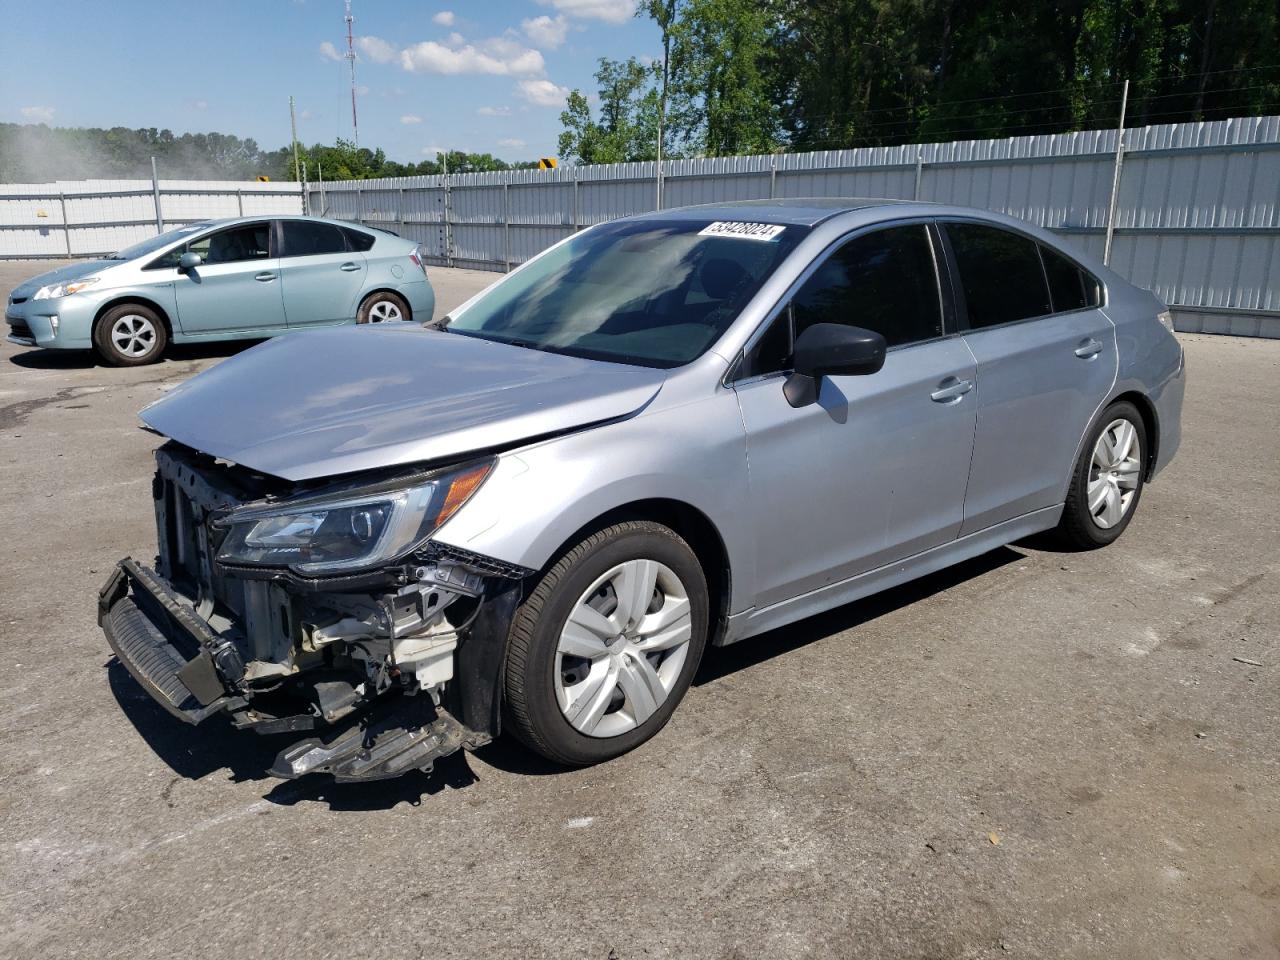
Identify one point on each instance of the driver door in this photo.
(874, 471)
(236, 287)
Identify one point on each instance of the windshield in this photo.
(649, 292)
(155, 243)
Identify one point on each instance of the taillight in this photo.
(418, 261)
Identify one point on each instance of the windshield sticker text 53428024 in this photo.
(746, 231)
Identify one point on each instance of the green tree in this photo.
(626, 126)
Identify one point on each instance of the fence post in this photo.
(1115, 178)
(773, 175)
(359, 204)
(506, 224)
(575, 199)
(66, 227)
(240, 200)
(400, 211)
(919, 172)
(155, 196)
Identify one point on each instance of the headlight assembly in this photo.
(344, 532)
(54, 290)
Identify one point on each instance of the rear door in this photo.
(321, 277)
(1046, 358)
(236, 286)
(875, 470)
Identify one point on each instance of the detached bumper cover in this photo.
(189, 670)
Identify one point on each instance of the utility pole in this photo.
(350, 57)
(663, 11)
(1115, 178)
(293, 129)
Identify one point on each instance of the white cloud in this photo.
(494, 111)
(545, 32)
(445, 18)
(37, 114)
(511, 142)
(610, 11)
(432, 151)
(498, 56)
(329, 51)
(409, 118)
(362, 90)
(204, 105)
(542, 93)
(377, 49)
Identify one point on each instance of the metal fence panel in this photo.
(1197, 218)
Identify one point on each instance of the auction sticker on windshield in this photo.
(747, 231)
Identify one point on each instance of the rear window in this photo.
(358, 240)
(1066, 282)
(304, 238)
(1000, 273)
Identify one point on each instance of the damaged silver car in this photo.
(666, 432)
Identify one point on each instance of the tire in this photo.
(383, 306)
(1085, 525)
(543, 683)
(130, 335)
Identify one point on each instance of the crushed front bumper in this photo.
(194, 673)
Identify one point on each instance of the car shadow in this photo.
(87, 359)
(719, 662)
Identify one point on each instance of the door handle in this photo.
(1089, 349)
(951, 390)
(349, 266)
(265, 277)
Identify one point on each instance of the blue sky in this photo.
(480, 75)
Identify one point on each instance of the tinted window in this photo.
(883, 281)
(1000, 273)
(249, 242)
(1066, 282)
(651, 292)
(358, 239)
(305, 238)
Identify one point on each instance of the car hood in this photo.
(330, 402)
(71, 271)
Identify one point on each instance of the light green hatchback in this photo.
(246, 278)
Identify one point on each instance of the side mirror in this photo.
(831, 349)
(189, 261)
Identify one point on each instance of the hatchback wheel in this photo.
(383, 307)
(130, 335)
(1108, 479)
(607, 643)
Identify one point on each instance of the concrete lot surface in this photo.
(1036, 754)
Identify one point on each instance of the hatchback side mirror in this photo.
(189, 261)
(831, 349)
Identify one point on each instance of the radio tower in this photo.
(350, 57)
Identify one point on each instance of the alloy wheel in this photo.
(384, 311)
(133, 335)
(622, 648)
(1114, 473)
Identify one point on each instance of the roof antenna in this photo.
(350, 57)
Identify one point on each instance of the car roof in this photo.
(797, 211)
(232, 221)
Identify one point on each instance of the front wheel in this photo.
(1108, 479)
(383, 307)
(130, 335)
(606, 645)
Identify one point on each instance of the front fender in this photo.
(540, 496)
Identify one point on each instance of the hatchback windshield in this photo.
(651, 292)
(155, 243)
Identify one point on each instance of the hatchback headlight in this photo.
(55, 290)
(1166, 319)
(353, 531)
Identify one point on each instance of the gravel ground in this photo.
(1035, 754)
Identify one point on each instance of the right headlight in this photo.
(347, 532)
(55, 290)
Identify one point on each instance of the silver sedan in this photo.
(665, 433)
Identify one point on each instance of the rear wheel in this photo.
(130, 335)
(1108, 479)
(383, 307)
(606, 645)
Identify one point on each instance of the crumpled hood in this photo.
(71, 271)
(329, 402)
